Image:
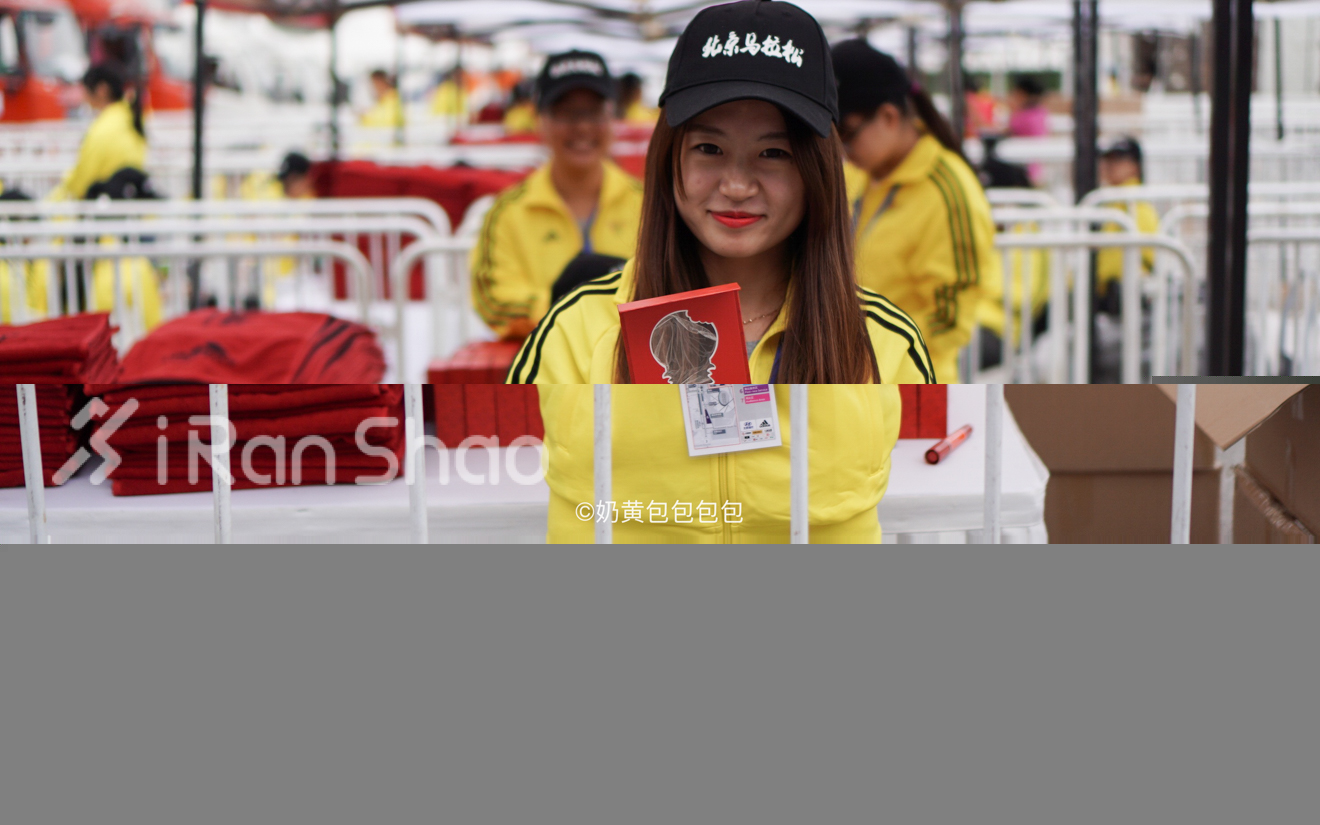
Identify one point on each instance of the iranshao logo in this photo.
(754, 45)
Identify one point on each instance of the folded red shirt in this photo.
(221, 347)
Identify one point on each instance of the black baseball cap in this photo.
(294, 163)
(570, 71)
(1125, 147)
(755, 49)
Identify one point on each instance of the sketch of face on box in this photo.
(685, 348)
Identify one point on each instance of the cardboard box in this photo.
(1259, 518)
(1283, 454)
(1088, 428)
(1125, 508)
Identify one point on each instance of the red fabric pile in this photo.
(283, 435)
(292, 376)
(211, 346)
(58, 355)
(471, 398)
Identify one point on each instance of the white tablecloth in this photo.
(924, 502)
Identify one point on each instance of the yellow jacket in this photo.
(852, 433)
(139, 280)
(1109, 262)
(520, 119)
(111, 143)
(640, 115)
(530, 235)
(34, 287)
(386, 113)
(449, 99)
(931, 250)
(577, 341)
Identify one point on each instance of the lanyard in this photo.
(884, 207)
(586, 232)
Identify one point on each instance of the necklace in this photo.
(763, 315)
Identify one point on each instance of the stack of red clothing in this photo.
(212, 346)
(293, 422)
(292, 376)
(58, 355)
(471, 398)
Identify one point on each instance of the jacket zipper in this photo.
(726, 531)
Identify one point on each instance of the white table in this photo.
(940, 503)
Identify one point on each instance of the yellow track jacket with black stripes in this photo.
(530, 235)
(852, 433)
(931, 248)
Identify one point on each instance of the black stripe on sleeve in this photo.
(607, 285)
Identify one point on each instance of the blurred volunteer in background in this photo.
(746, 187)
(450, 98)
(387, 111)
(1121, 164)
(631, 109)
(580, 201)
(520, 118)
(920, 218)
(112, 163)
(116, 139)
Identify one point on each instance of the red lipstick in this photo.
(736, 220)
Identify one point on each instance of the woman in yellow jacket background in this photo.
(115, 141)
(747, 187)
(580, 201)
(922, 224)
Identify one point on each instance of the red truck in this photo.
(42, 60)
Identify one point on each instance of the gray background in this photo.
(665, 685)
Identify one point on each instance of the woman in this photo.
(923, 230)
(747, 187)
(116, 139)
(115, 145)
(579, 202)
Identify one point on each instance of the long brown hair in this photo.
(825, 341)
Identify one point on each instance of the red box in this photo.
(700, 332)
(934, 414)
(925, 410)
(471, 398)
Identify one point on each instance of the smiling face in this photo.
(741, 194)
(578, 130)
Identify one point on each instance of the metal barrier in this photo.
(132, 325)
(1081, 286)
(415, 474)
(448, 287)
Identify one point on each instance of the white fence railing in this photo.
(221, 478)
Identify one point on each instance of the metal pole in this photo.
(1230, 135)
(30, 434)
(604, 466)
(399, 134)
(220, 477)
(957, 95)
(415, 467)
(799, 464)
(334, 80)
(1278, 79)
(994, 461)
(1086, 28)
(913, 72)
(1183, 441)
(1198, 66)
(1086, 132)
(199, 97)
